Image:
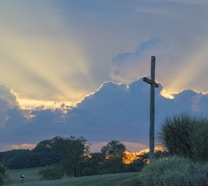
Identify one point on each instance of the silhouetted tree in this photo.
(114, 148)
(73, 150)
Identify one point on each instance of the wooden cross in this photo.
(153, 84)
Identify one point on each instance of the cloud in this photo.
(192, 72)
(183, 1)
(24, 146)
(113, 112)
(176, 73)
(8, 97)
(60, 50)
(7, 101)
(127, 67)
(42, 54)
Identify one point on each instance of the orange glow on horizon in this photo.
(130, 157)
(23, 146)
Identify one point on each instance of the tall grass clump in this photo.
(174, 171)
(175, 134)
(186, 136)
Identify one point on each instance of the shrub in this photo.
(175, 135)
(52, 172)
(2, 174)
(199, 140)
(186, 136)
(176, 171)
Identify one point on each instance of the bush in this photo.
(175, 135)
(186, 136)
(176, 171)
(199, 140)
(52, 172)
(2, 174)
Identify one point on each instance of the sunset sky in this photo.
(59, 51)
(55, 52)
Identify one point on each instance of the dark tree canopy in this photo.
(73, 150)
(113, 147)
(60, 156)
(2, 174)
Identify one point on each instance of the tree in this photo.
(114, 148)
(46, 153)
(43, 154)
(73, 150)
(113, 153)
(92, 165)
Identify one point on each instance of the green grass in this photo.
(13, 176)
(33, 179)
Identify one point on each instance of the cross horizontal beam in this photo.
(151, 82)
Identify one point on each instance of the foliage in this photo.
(113, 148)
(175, 135)
(199, 140)
(41, 155)
(186, 136)
(176, 171)
(70, 155)
(92, 165)
(98, 164)
(113, 163)
(52, 172)
(73, 150)
(108, 161)
(47, 152)
(2, 174)
(10, 158)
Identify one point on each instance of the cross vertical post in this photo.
(153, 84)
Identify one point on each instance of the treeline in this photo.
(41, 155)
(70, 156)
(185, 137)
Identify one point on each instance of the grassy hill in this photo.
(33, 179)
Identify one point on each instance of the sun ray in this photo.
(46, 64)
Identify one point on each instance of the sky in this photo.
(58, 54)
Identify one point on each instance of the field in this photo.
(33, 179)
